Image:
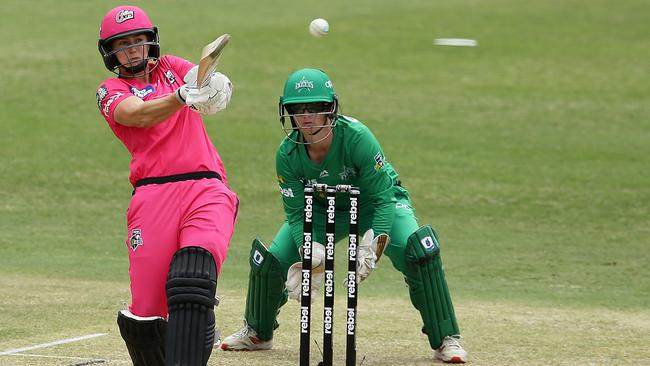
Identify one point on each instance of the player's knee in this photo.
(191, 290)
(192, 278)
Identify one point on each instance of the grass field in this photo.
(529, 154)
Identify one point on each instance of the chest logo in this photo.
(347, 173)
(324, 174)
(142, 93)
(169, 75)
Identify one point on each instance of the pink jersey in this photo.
(179, 144)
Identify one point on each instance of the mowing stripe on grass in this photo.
(50, 344)
(82, 361)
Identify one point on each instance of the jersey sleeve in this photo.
(109, 95)
(293, 195)
(376, 179)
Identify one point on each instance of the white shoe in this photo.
(245, 340)
(451, 351)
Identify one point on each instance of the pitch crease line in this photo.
(50, 344)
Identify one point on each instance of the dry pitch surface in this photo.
(496, 333)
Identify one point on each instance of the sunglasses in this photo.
(305, 108)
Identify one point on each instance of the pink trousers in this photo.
(163, 218)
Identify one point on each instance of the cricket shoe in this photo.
(245, 340)
(451, 351)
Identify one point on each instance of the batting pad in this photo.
(191, 289)
(266, 291)
(144, 338)
(427, 285)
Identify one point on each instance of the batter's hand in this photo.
(211, 98)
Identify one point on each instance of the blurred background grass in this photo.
(528, 153)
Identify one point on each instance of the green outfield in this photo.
(529, 154)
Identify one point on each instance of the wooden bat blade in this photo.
(210, 58)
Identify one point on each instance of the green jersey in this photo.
(354, 158)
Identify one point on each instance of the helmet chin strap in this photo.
(133, 70)
(331, 125)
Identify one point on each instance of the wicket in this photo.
(328, 308)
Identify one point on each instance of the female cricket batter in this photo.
(182, 213)
(327, 148)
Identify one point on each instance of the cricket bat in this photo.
(210, 58)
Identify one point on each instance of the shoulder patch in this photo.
(101, 94)
(379, 161)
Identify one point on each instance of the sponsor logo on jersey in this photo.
(324, 174)
(379, 161)
(400, 205)
(304, 84)
(287, 192)
(124, 15)
(136, 239)
(170, 77)
(101, 94)
(107, 105)
(142, 93)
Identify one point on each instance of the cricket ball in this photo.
(319, 27)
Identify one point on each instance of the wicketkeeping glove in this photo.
(294, 276)
(369, 251)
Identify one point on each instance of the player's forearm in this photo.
(382, 220)
(134, 112)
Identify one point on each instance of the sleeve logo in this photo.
(107, 106)
(101, 94)
(379, 161)
(287, 192)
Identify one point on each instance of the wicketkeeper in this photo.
(325, 147)
(182, 213)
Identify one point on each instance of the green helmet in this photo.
(307, 86)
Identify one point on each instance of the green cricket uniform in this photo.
(354, 158)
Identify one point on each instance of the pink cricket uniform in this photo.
(162, 218)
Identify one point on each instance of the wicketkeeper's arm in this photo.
(292, 192)
(375, 181)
